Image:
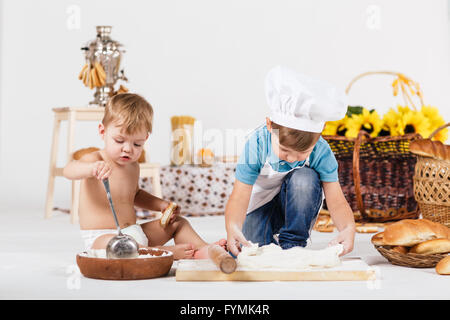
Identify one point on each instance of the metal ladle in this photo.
(121, 246)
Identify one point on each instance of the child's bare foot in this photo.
(222, 243)
(202, 253)
(181, 251)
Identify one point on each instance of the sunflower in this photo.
(436, 120)
(368, 121)
(414, 122)
(392, 121)
(335, 128)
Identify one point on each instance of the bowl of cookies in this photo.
(417, 243)
(151, 263)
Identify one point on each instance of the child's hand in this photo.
(346, 237)
(235, 238)
(175, 213)
(101, 170)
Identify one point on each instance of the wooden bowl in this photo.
(158, 264)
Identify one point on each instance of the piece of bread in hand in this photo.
(443, 266)
(378, 239)
(409, 232)
(165, 218)
(432, 247)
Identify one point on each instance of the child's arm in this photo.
(341, 214)
(147, 201)
(235, 213)
(88, 166)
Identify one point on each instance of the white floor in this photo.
(37, 261)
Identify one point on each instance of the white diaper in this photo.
(134, 230)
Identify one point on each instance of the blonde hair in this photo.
(297, 140)
(130, 111)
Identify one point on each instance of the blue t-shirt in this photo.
(258, 149)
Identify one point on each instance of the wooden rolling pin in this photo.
(222, 259)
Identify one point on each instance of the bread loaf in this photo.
(79, 153)
(400, 249)
(443, 266)
(432, 247)
(410, 232)
(378, 239)
(324, 224)
(428, 148)
(366, 229)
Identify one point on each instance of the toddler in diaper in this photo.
(125, 128)
(134, 231)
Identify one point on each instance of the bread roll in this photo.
(378, 239)
(164, 221)
(366, 229)
(410, 232)
(325, 228)
(142, 157)
(79, 153)
(428, 148)
(443, 266)
(400, 249)
(432, 247)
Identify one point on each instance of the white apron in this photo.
(268, 185)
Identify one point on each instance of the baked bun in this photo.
(443, 266)
(400, 249)
(324, 224)
(432, 247)
(409, 232)
(378, 239)
(165, 218)
(79, 153)
(142, 157)
(428, 148)
(366, 229)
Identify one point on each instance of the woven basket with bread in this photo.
(432, 178)
(418, 243)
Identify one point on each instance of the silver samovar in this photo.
(107, 53)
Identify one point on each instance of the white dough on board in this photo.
(274, 257)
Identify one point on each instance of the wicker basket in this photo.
(432, 187)
(376, 174)
(412, 260)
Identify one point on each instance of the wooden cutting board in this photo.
(351, 269)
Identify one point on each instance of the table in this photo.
(199, 191)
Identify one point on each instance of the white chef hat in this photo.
(300, 102)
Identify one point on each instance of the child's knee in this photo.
(304, 180)
(179, 222)
(102, 241)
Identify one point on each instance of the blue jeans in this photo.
(291, 213)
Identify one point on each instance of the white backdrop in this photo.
(205, 58)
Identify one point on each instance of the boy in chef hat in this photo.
(286, 168)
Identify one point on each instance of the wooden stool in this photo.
(73, 114)
(70, 114)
